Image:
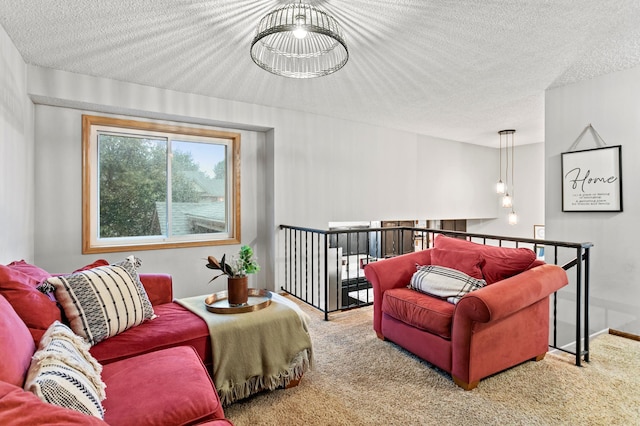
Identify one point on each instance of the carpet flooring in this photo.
(358, 379)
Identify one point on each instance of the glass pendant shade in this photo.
(506, 201)
(500, 187)
(298, 40)
(513, 218)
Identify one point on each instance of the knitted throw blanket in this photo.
(255, 351)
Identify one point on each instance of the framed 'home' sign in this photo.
(592, 180)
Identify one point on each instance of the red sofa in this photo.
(155, 373)
(489, 330)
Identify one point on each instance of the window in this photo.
(150, 186)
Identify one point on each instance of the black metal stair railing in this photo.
(324, 268)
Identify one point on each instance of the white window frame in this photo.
(91, 125)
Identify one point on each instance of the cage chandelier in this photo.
(298, 40)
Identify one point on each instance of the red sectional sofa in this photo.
(156, 373)
(488, 330)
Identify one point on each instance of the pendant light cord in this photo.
(500, 167)
(506, 169)
(513, 163)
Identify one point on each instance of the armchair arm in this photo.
(501, 299)
(392, 273)
(503, 324)
(159, 287)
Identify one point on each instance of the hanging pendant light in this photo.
(299, 40)
(507, 199)
(500, 186)
(507, 202)
(513, 217)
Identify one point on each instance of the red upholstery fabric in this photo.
(21, 408)
(99, 262)
(17, 346)
(397, 274)
(160, 386)
(140, 389)
(159, 287)
(34, 308)
(498, 301)
(174, 326)
(482, 349)
(500, 262)
(492, 329)
(33, 271)
(426, 313)
(467, 261)
(427, 346)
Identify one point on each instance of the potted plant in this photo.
(241, 265)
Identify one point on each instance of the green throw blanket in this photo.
(255, 351)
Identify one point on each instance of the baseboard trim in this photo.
(624, 334)
(568, 345)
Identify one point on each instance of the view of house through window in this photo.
(150, 186)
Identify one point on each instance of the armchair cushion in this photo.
(414, 308)
(500, 262)
(499, 301)
(468, 261)
(102, 302)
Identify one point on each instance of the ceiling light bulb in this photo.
(500, 187)
(513, 218)
(300, 32)
(506, 200)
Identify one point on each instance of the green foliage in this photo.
(242, 264)
(245, 263)
(220, 170)
(133, 178)
(182, 190)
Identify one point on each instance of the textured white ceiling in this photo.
(458, 70)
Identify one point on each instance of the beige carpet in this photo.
(360, 380)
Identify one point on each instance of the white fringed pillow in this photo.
(443, 282)
(64, 373)
(102, 302)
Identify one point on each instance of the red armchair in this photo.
(487, 331)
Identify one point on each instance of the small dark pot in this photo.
(237, 291)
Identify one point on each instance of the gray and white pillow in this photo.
(64, 373)
(447, 283)
(102, 302)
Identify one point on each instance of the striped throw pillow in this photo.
(64, 373)
(104, 301)
(443, 282)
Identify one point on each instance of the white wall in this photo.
(454, 180)
(16, 157)
(611, 103)
(529, 198)
(314, 170)
(59, 214)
